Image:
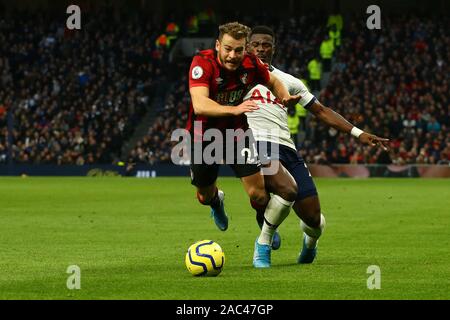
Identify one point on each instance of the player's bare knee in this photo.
(291, 192)
(287, 191)
(258, 195)
(312, 218)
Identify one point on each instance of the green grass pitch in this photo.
(129, 238)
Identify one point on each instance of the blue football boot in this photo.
(307, 255)
(261, 256)
(219, 214)
(276, 241)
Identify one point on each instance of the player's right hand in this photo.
(246, 106)
(374, 140)
(291, 101)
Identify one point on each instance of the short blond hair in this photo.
(235, 30)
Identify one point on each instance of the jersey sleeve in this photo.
(200, 73)
(296, 86)
(262, 71)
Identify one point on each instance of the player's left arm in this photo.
(335, 120)
(280, 91)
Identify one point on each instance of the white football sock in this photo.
(312, 235)
(277, 210)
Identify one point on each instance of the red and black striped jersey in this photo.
(225, 87)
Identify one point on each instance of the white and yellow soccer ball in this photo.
(205, 258)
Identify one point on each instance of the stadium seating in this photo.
(75, 96)
(397, 89)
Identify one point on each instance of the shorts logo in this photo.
(197, 72)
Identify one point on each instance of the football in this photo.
(205, 258)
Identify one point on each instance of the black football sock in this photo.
(215, 201)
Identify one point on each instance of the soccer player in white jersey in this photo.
(269, 126)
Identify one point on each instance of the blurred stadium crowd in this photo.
(77, 97)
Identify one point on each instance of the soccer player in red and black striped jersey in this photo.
(218, 81)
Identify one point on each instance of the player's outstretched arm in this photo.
(338, 122)
(205, 106)
(281, 92)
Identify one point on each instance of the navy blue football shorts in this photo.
(293, 162)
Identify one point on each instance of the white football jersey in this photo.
(269, 123)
